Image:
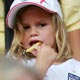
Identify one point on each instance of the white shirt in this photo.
(68, 70)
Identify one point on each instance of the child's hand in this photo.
(45, 57)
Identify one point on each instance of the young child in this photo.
(71, 12)
(41, 21)
(11, 69)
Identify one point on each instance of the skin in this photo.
(74, 40)
(37, 25)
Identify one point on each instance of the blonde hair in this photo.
(62, 45)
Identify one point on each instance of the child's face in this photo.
(38, 26)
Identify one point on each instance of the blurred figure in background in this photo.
(71, 13)
(13, 70)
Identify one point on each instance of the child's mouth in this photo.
(33, 42)
(33, 46)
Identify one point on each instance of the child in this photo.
(71, 12)
(11, 69)
(40, 21)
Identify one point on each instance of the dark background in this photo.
(8, 31)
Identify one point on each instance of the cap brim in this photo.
(12, 12)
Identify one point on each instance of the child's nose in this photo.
(34, 32)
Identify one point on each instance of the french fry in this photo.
(33, 47)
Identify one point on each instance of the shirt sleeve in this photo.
(71, 14)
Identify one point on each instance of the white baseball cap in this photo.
(52, 6)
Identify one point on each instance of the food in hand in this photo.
(33, 47)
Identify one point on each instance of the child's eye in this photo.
(43, 24)
(26, 27)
